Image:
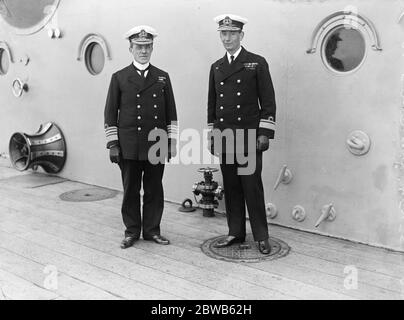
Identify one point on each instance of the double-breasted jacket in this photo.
(136, 106)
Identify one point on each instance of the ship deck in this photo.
(39, 232)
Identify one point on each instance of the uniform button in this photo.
(239, 119)
(154, 95)
(139, 129)
(221, 83)
(139, 117)
(221, 119)
(238, 81)
(221, 108)
(138, 95)
(155, 117)
(221, 95)
(155, 106)
(139, 106)
(238, 107)
(239, 93)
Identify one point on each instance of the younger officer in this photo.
(140, 100)
(241, 98)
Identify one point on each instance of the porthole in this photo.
(27, 17)
(94, 58)
(4, 61)
(93, 49)
(343, 49)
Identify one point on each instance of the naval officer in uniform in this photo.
(241, 97)
(140, 99)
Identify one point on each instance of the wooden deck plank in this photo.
(204, 224)
(146, 275)
(315, 264)
(67, 288)
(201, 233)
(317, 259)
(305, 291)
(101, 278)
(304, 257)
(16, 288)
(344, 247)
(203, 274)
(371, 264)
(207, 277)
(293, 269)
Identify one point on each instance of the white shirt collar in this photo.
(140, 66)
(234, 55)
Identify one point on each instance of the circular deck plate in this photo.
(90, 194)
(238, 253)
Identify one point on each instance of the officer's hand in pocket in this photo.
(262, 143)
(114, 154)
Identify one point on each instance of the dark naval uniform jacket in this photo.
(241, 95)
(135, 106)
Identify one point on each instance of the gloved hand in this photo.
(115, 154)
(262, 143)
(172, 148)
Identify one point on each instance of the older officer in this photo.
(140, 100)
(241, 97)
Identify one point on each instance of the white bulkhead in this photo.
(337, 70)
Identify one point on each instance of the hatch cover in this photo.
(89, 194)
(246, 252)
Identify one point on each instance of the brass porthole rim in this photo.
(324, 58)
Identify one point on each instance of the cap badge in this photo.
(143, 34)
(227, 21)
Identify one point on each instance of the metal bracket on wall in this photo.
(285, 176)
(358, 143)
(18, 87)
(298, 213)
(328, 213)
(272, 211)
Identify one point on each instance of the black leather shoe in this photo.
(128, 242)
(264, 246)
(159, 239)
(228, 242)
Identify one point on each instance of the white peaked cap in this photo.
(230, 22)
(148, 33)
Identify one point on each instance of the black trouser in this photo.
(153, 197)
(240, 190)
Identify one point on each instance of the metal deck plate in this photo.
(247, 252)
(89, 194)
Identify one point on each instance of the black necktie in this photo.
(232, 59)
(142, 72)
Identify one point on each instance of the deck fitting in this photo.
(246, 252)
(89, 194)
